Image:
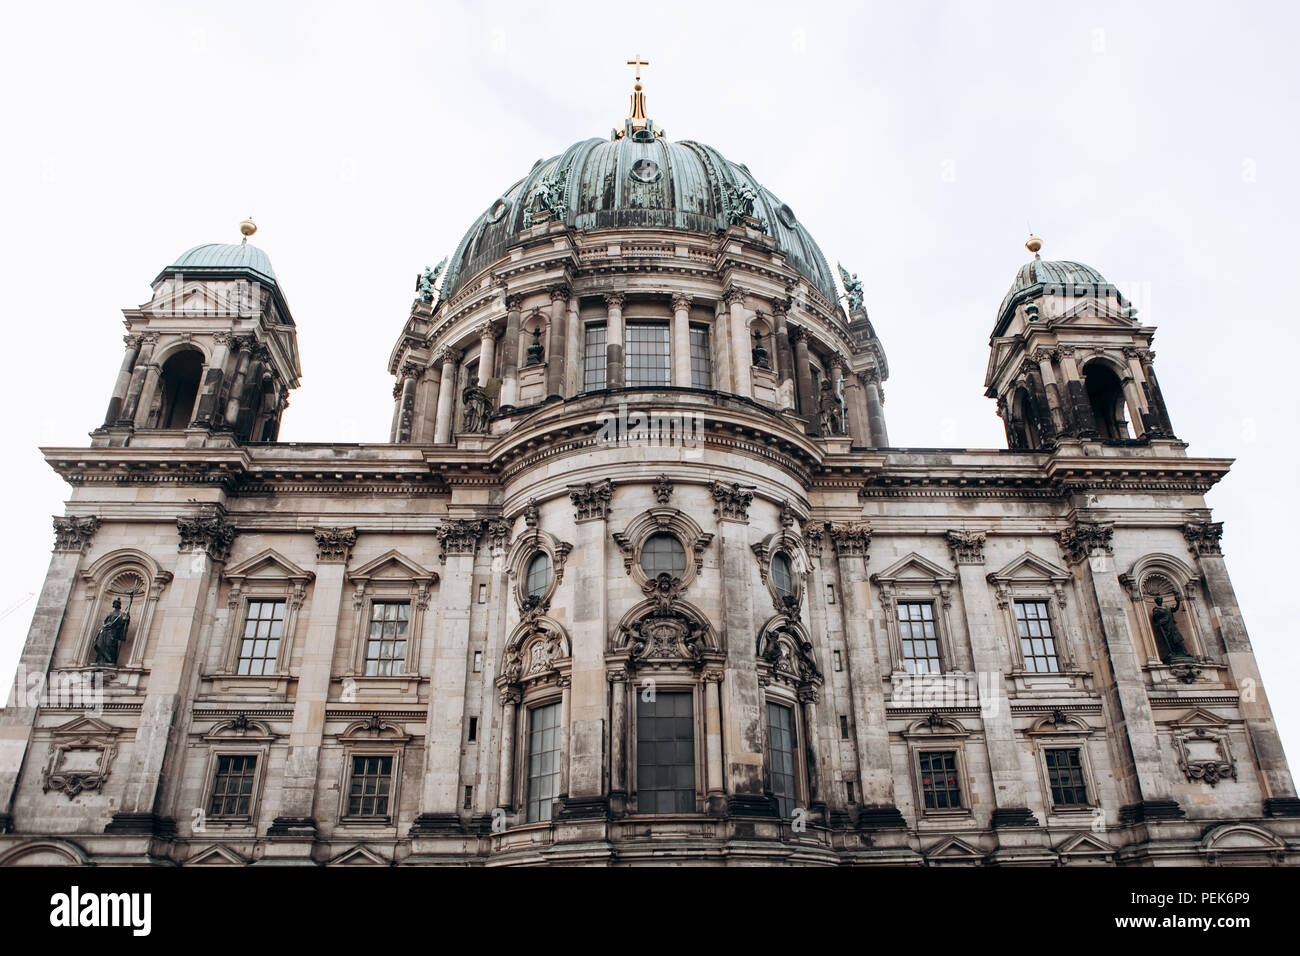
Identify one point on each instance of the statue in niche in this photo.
(477, 417)
(830, 410)
(1162, 619)
(111, 634)
(759, 354)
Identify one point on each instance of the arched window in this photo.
(782, 574)
(663, 553)
(180, 388)
(1024, 420)
(1106, 395)
(538, 579)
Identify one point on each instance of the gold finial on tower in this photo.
(247, 228)
(1033, 245)
(637, 112)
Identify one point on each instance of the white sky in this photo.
(1156, 142)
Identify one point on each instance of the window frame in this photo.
(224, 739)
(943, 735)
(706, 357)
(698, 755)
(405, 581)
(279, 580)
(933, 620)
(1072, 733)
(527, 710)
(629, 367)
(241, 635)
(1015, 602)
(599, 356)
(370, 749)
(915, 579)
(799, 771)
(367, 639)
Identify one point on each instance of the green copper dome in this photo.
(1044, 276)
(219, 257)
(641, 179)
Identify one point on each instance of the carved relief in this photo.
(73, 534)
(333, 545)
(732, 501)
(458, 536)
(208, 532)
(967, 546)
(850, 539)
(663, 489)
(1084, 538)
(1203, 537)
(591, 500)
(81, 756)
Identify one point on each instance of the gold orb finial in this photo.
(1034, 244)
(247, 227)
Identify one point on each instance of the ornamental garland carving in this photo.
(208, 532)
(1204, 757)
(81, 756)
(73, 534)
(785, 654)
(1084, 538)
(732, 501)
(1203, 537)
(664, 633)
(458, 536)
(333, 545)
(967, 546)
(591, 500)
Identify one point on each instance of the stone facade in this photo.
(466, 632)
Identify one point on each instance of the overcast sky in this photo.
(918, 143)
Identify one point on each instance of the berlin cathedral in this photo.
(637, 576)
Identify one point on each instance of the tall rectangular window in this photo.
(386, 646)
(232, 788)
(1065, 776)
(646, 354)
(1037, 645)
(701, 364)
(260, 647)
(543, 760)
(593, 359)
(920, 643)
(780, 757)
(665, 753)
(939, 783)
(371, 786)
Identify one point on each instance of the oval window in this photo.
(538, 579)
(786, 215)
(498, 210)
(645, 170)
(663, 553)
(782, 575)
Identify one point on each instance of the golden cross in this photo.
(638, 63)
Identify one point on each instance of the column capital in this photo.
(615, 300)
(836, 361)
(1085, 538)
(682, 301)
(411, 370)
(734, 294)
(853, 538)
(591, 500)
(559, 293)
(487, 330)
(334, 545)
(447, 354)
(458, 536)
(967, 546)
(208, 532)
(780, 307)
(1042, 354)
(514, 301)
(1203, 537)
(73, 534)
(732, 500)
(498, 532)
(796, 333)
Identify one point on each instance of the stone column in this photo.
(572, 351)
(1157, 397)
(440, 798)
(682, 340)
(1141, 394)
(204, 545)
(1138, 416)
(397, 411)
(806, 406)
(123, 380)
(721, 336)
(875, 408)
(587, 707)
(205, 406)
(240, 379)
(743, 726)
(614, 340)
(1139, 774)
(855, 400)
(410, 376)
(1084, 422)
(714, 780)
(870, 725)
(71, 537)
(618, 689)
(565, 681)
(426, 404)
(837, 377)
(509, 698)
(450, 359)
(1052, 392)
(139, 371)
(509, 354)
(1276, 781)
(811, 745)
(781, 346)
(487, 354)
(742, 357)
(1010, 808)
(555, 343)
(296, 814)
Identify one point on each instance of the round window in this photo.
(498, 210)
(782, 575)
(539, 575)
(663, 553)
(786, 215)
(645, 170)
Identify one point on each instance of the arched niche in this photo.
(137, 580)
(1165, 576)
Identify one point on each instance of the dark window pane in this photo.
(543, 760)
(916, 633)
(1037, 646)
(780, 756)
(646, 354)
(594, 354)
(665, 776)
(259, 646)
(701, 358)
(939, 784)
(663, 552)
(1065, 776)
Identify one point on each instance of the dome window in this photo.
(645, 171)
(498, 210)
(786, 215)
(663, 553)
(538, 580)
(643, 136)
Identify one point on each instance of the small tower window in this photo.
(180, 388)
(1106, 395)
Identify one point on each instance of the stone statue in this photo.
(742, 199)
(830, 410)
(852, 287)
(477, 418)
(1162, 619)
(549, 196)
(111, 634)
(758, 353)
(424, 286)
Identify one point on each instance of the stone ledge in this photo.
(150, 824)
(881, 817)
(292, 828)
(1148, 810)
(1005, 817)
(1273, 807)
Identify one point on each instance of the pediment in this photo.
(392, 566)
(268, 564)
(217, 855)
(1242, 836)
(1199, 717)
(1094, 311)
(1085, 844)
(1029, 567)
(86, 727)
(358, 856)
(913, 568)
(953, 849)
